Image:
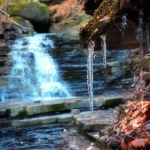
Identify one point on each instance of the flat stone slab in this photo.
(26, 109)
(30, 108)
(42, 120)
(86, 120)
(95, 121)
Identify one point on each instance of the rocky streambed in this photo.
(49, 125)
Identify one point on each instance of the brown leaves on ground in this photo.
(133, 131)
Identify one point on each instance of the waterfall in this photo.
(34, 74)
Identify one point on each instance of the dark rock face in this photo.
(109, 12)
(90, 6)
(72, 62)
(115, 40)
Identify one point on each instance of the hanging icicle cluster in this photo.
(147, 36)
(139, 31)
(123, 24)
(91, 46)
(104, 50)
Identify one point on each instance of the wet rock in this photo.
(115, 64)
(75, 111)
(82, 104)
(44, 108)
(5, 70)
(25, 23)
(64, 118)
(67, 21)
(144, 63)
(33, 122)
(19, 112)
(112, 102)
(93, 121)
(146, 76)
(2, 112)
(98, 103)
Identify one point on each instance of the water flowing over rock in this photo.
(34, 73)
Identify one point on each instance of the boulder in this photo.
(67, 17)
(24, 23)
(37, 13)
(11, 30)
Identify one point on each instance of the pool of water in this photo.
(48, 137)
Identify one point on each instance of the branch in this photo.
(17, 24)
(4, 13)
(12, 21)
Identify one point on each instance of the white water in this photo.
(34, 70)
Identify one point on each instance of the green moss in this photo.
(43, 6)
(22, 114)
(112, 102)
(2, 2)
(70, 105)
(17, 18)
(57, 107)
(14, 9)
(17, 1)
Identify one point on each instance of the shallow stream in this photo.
(48, 137)
(60, 73)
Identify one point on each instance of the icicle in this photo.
(147, 36)
(134, 81)
(124, 22)
(91, 46)
(139, 30)
(103, 46)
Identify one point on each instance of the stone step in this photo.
(86, 120)
(35, 121)
(28, 108)
(95, 121)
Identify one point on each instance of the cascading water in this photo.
(34, 73)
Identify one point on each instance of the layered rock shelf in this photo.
(23, 114)
(73, 68)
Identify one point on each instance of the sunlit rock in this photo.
(38, 14)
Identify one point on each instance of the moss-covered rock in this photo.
(37, 13)
(24, 23)
(11, 2)
(19, 112)
(110, 102)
